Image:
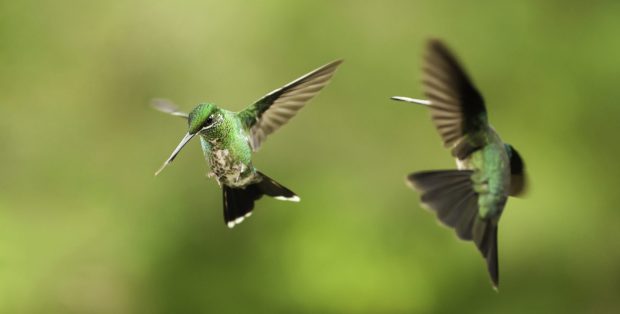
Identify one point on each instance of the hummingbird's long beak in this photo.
(176, 151)
(413, 100)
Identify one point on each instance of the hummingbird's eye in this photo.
(209, 121)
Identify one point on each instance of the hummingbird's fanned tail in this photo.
(274, 189)
(239, 202)
(450, 194)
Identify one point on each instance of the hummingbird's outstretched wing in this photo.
(451, 195)
(275, 109)
(166, 106)
(457, 108)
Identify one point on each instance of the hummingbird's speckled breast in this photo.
(228, 151)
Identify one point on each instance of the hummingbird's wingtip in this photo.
(167, 106)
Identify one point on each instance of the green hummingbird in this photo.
(228, 140)
(472, 198)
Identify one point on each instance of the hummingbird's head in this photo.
(204, 117)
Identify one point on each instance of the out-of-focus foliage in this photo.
(86, 228)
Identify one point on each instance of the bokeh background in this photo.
(85, 227)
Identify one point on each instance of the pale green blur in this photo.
(85, 227)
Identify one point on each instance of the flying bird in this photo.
(228, 140)
(470, 199)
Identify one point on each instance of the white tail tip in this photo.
(237, 221)
(290, 199)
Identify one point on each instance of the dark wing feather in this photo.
(451, 195)
(276, 108)
(166, 106)
(457, 108)
(518, 179)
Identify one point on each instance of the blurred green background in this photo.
(85, 227)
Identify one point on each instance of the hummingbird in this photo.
(471, 198)
(228, 140)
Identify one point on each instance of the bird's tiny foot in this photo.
(217, 179)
